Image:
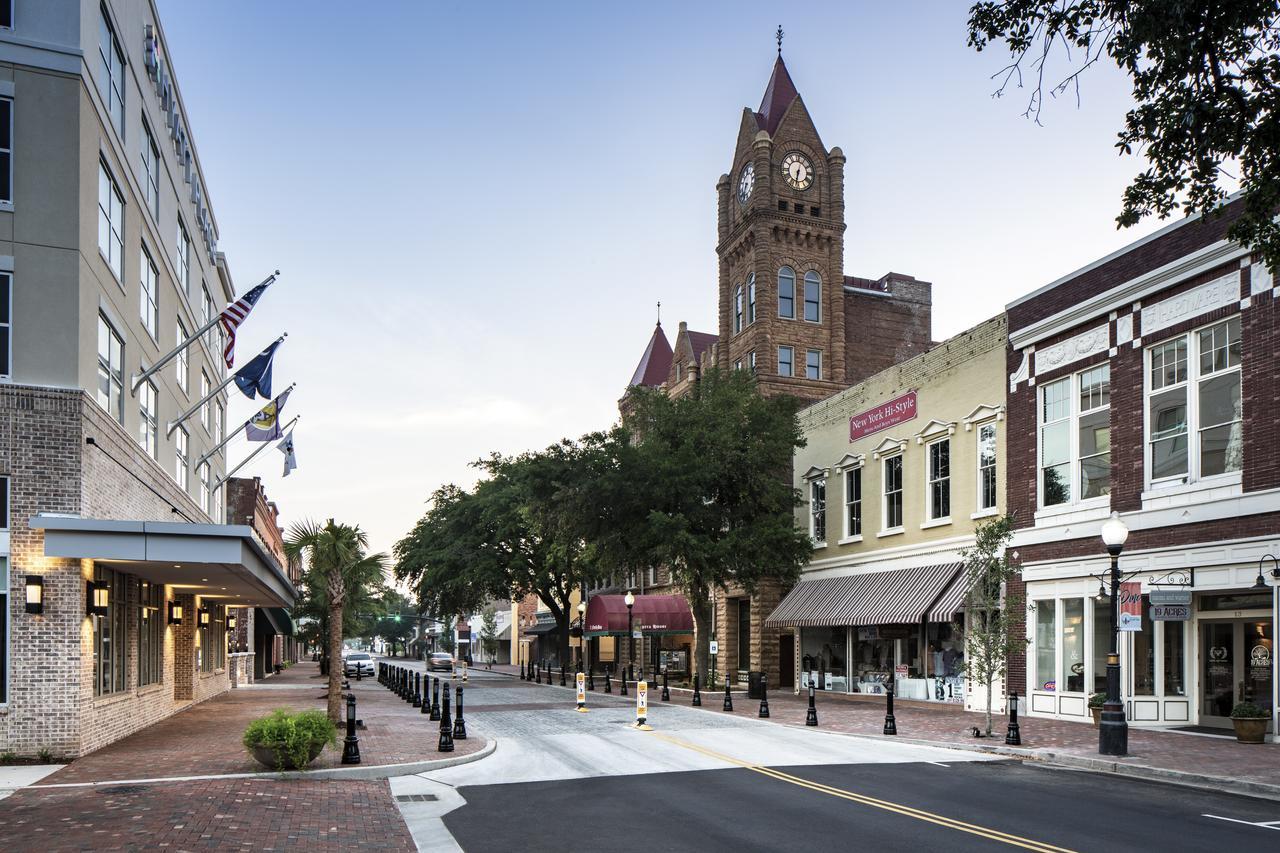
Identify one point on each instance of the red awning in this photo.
(652, 614)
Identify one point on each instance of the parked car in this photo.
(440, 662)
(358, 662)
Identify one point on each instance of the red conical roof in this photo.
(778, 95)
(655, 364)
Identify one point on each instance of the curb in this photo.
(359, 773)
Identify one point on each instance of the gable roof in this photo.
(778, 95)
(701, 342)
(655, 363)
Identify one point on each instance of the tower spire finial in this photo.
(780, 34)
(659, 312)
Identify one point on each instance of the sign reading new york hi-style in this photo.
(896, 411)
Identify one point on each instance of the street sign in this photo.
(1170, 613)
(637, 634)
(1170, 596)
(715, 647)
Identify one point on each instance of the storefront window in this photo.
(1046, 644)
(1101, 642)
(1144, 655)
(873, 658)
(824, 657)
(946, 661)
(1175, 659)
(1073, 644)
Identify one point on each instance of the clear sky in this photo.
(475, 206)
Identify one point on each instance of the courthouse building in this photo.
(116, 566)
(1147, 384)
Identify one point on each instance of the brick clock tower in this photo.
(788, 313)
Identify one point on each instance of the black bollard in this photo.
(666, 693)
(764, 697)
(625, 672)
(591, 678)
(459, 727)
(446, 727)
(435, 698)
(359, 672)
(538, 676)
(811, 716)
(608, 687)
(351, 746)
(697, 692)
(417, 690)
(1014, 736)
(426, 693)
(890, 724)
(728, 699)
(522, 670)
(408, 687)
(562, 681)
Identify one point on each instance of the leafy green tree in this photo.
(1204, 82)
(447, 640)
(395, 623)
(339, 572)
(489, 632)
(991, 636)
(705, 491)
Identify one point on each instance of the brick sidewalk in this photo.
(205, 739)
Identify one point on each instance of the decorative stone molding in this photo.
(888, 447)
(851, 460)
(935, 429)
(1260, 279)
(1124, 328)
(985, 412)
(1073, 349)
(814, 473)
(1222, 291)
(1023, 373)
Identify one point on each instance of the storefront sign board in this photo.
(896, 411)
(1170, 596)
(1131, 606)
(1170, 613)
(715, 647)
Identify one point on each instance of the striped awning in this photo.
(893, 597)
(950, 602)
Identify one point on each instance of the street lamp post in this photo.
(631, 657)
(582, 640)
(1113, 729)
(1261, 584)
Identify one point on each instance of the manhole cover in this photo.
(124, 789)
(416, 798)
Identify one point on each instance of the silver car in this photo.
(358, 662)
(440, 662)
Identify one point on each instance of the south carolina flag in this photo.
(265, 425)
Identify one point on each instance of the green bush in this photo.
(292, 735)
(1097, 700)
(1248, 709)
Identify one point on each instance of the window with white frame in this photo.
(182, 463)
(1075, 437)
(204, 410)
(110, 221)
(111, 71)
(892, 488)
(737, 309)
(986, 467)
(203, 477)
(786, 361)
(818, 510)
(1194, 408)
(182, 261)
(110, 369)
(938, 488)
(6, 323)
(206, 303)
(751, 361)
(219, 420)
(6, 150)
(787, 293)
(148, 422)
(737, 365)
(751, 298)
(812, 297)
(813, 364)
(151, 171)
(183, 361)
(853, 502)
(149, 294)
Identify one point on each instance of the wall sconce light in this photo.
(35, 594)
(231, 622)
(175, 613)
(204, 617)
(98, 596)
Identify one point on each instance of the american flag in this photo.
(234, 315)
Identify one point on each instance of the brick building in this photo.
(787, 311)
(1146, 384)
(116, 570)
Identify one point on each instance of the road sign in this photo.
(637, 634)
(715, 647)
(1170, 596)
(1170, 613)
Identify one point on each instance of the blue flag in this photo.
(255, 377)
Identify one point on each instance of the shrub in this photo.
(1248, 709)
(1097, 700)
(291, 735)
(45, 755)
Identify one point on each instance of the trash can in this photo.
(755, 685)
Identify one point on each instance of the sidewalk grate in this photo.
(416, 798)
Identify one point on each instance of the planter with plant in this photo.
(284, 741)
(1250, 722)
(1096, 701)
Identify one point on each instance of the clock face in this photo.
(746, 182)
(797, 170)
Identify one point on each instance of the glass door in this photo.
(1237, 660)
(1258, 661)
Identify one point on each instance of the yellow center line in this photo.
(863, 799)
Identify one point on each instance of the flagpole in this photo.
(139, 378)
(174, 424)
(249, 458)
(232, 433)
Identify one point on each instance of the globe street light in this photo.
(1113, 729)
(582, 640)
(630, 600)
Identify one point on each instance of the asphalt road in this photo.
(700, 781)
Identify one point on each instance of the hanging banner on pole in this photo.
(1131, 606)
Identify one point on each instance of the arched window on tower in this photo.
(751, 299)
(737, 310)
(787, 293)
(812, 297)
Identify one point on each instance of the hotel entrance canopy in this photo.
(216, 561)
(652, 614)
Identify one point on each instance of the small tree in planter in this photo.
(284, 741)
(1250, 722)
(1096, 701)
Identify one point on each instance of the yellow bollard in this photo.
(464, 672)
(642, 707)
(582, 694)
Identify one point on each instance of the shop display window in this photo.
(1072, 679)
(1046, 644)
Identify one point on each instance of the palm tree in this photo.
(338, 568)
